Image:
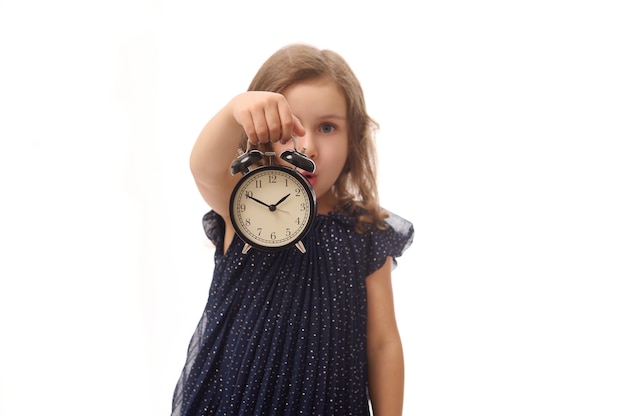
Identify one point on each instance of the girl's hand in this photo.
(265, 117)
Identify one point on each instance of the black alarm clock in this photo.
(272, 207)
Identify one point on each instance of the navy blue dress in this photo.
(284, 333)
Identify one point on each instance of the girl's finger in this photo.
(275, 126)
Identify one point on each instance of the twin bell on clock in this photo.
(272, 207)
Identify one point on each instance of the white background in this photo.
(502, 140)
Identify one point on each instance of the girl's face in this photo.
(321, 107)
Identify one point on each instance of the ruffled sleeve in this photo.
(393, 241)
(214, 228)
(402, 233)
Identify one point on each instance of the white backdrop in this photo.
(502, 139)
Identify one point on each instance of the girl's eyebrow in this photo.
(332, 116)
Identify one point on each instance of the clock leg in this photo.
(300, 246)
(246, 248)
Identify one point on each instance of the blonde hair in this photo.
(356, 187)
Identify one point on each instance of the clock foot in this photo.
(300, 246)
(246, 248)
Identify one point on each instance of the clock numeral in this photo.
(272, 178)
(258, 183)
(248, 222)
(249, 193)
(298, 220)
(259, 230)
(302, 206)
(298, 191)
(242, 208)
(287, 232)
(273, 236)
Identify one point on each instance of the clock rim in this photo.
(309, 191)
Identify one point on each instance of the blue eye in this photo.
(327, 128)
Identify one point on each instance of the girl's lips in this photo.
(310, 177)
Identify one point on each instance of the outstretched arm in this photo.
(384, 347)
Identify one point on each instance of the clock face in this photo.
(272, 207)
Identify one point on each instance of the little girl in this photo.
(285, 332)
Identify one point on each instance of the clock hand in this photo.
(281, 200)
(259, 201)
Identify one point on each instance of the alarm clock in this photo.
(272, 207)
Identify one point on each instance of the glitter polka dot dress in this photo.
(284, 333)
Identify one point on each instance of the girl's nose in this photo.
(308, 143)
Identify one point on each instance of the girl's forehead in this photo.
(318, 95)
